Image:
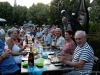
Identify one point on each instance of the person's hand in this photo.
(24, 53)
(6, 53)
(23, 47)
(61, 58)
(9, 51)
(64, 57)
(61, 54)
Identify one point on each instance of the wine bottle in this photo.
(31, 58)
(26, 40)
(33, 38)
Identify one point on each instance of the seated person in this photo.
(8, 65)
(59, 39)
(69, 45)
(83, 57)
(33, 31)
(13, 45)
(47, 37)
(39, 34)
(23, 31)
(53, 33)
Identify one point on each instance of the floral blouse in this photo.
(68, 48)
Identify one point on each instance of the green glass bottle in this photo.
(31, 58)
(26, 40)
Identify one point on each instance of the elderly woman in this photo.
(16, 51)
(69, 46)
(59, 39)
(18, 40)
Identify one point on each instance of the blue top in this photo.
(8, 65)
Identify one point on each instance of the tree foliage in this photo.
(57, 5)
(41, 13)
(95, 12)
(19, 14)
(6, 11)
(38, 13)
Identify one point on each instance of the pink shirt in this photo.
(68, 48)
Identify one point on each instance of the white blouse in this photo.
(60, 42)
(16, 48)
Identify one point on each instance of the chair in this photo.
(96, 66)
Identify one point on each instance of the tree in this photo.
(38, 13)
(6, 11)
(95, 12)
(19, 14)
(55, 10)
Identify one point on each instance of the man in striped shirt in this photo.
(83, 57)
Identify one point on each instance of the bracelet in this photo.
(2, 57)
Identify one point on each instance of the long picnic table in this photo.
(52, 68)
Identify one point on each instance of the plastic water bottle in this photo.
(40, 51)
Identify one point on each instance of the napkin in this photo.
(35, 70)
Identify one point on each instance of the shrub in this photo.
(94, 41)
(94, 27)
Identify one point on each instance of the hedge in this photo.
(94, 42)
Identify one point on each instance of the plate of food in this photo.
(51, 53)
(55, 60)
(58, 64)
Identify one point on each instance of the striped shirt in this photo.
(85, 53)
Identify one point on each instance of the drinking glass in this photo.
(46, 43)
(56, 53)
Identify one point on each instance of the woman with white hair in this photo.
(59, 39)
(16, 51)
